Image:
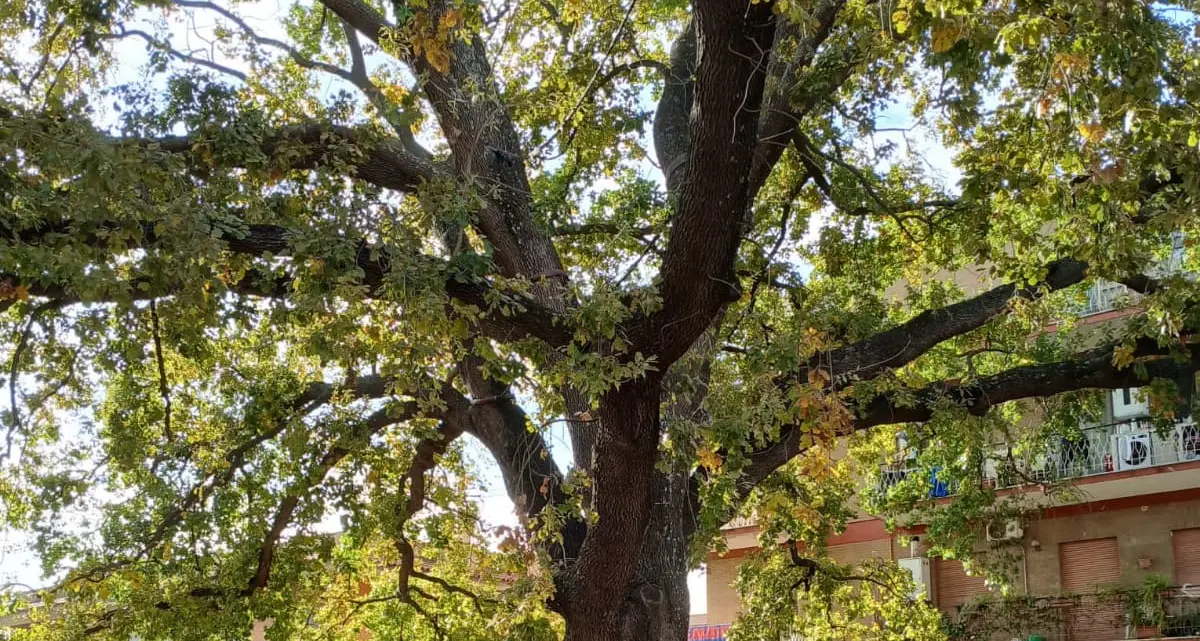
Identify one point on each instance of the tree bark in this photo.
(625, 493)
(655, 604)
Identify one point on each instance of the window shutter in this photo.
(1085, 566)
(954, 586)
(1186, 545)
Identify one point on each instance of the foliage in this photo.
(282, 308)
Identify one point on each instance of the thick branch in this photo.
(387, 163)
(521, 317)
(672, 137)
(904, 343)
(697, 277)
(1093, 369)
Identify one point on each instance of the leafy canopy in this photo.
(260, 270)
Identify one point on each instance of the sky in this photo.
(496, 509)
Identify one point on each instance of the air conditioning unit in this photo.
(1007, 530)
(1133, 450)
(919, 568)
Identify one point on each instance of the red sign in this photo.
(707, 632)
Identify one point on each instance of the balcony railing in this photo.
(1105, 295)
(1088, 617)
(1103, 449)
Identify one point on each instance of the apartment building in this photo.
(1117, 558)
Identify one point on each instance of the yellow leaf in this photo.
(451, 19)
(1122, 356)
(900, 21)
(709, 458)
(1044, 106)
(944, 37)
(438, 56)
(1092, 132)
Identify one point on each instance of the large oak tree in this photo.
(294, 264)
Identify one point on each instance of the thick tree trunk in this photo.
(655, 604)
(625, 495)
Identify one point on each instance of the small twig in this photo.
(450, 587)
(164, 388)
(651, 247)
(587, 89)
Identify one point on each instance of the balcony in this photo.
(1104, 296)
(1096, 450)
(1103, 449)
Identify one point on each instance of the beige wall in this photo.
(1143, 531)
(723, 603)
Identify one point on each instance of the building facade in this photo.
(1118, 558)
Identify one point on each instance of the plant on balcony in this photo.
(1145, 607)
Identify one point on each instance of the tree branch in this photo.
(697, 277)
(1092, 369)
(780, 115)
(520, 316)
(904, 343)
(385, 163)
(154, 43)
(450, 428)
(672, 138)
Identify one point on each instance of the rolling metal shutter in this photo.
(954, 586)
(1088, 564)
(1084, 567)
(1186, 545)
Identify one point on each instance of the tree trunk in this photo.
(626, 490)
(655, 604)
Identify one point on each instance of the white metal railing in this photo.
(1104, 296)
(1103, 449)
(739, 522)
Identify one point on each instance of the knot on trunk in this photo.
(645, 615)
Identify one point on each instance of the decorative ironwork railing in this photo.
(1102, 449)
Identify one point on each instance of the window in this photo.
(1128, 402)
(1186, 546)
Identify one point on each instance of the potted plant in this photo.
(1145, 608)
